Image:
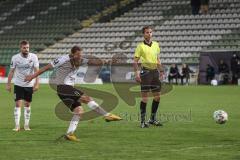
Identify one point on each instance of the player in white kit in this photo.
(22, 64)
(64, 78)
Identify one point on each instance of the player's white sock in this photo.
(73, 124)
(17, 115)
(94, 106)
(27, 114)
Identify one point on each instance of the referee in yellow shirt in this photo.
(148, 75)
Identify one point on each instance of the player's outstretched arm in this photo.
(29, 78)
(95, 61)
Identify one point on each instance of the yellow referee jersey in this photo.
(148, 54)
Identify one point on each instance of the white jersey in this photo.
(65, 73)
(24, 66)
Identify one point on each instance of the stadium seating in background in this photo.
(53, 27)
(181, 35)
(42, 22)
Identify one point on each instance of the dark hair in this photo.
(146, 27)
(24, 42)
(75, 49)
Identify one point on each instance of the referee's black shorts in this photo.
(23, 93)
(150, 80)
(69, 95)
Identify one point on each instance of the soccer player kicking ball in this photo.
(22, 64)
(66, 69)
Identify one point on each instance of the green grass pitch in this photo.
(195, 136)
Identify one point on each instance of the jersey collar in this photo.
(23, 55)
(150, 45)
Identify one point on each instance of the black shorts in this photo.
(23, 93)
(69, 95)
(150, 80)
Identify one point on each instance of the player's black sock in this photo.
(143, 111)
(154, 109)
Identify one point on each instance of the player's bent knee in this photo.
(144, 99)
(19, 103)
(78, 110)
(27, 104)
(85, 99)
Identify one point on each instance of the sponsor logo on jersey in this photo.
(55, 61)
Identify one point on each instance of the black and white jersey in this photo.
(24, 66)
(65, 73)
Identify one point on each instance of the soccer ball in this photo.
(220, 116)
(214, 82)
